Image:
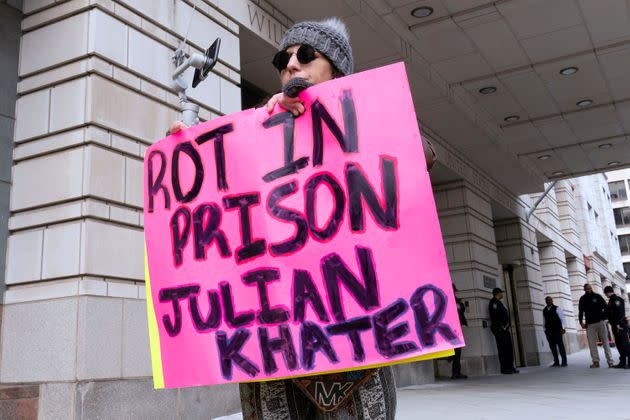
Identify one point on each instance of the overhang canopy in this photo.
(516, 47)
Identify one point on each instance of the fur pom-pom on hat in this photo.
(329, 37)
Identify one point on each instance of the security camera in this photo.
(202, 63)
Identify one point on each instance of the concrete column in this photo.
(466, 221)
(517, 248)
(567, 210)
(577, 278)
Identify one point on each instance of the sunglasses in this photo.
(305, 54)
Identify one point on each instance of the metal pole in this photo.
(541, 198)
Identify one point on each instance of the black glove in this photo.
(294, 86)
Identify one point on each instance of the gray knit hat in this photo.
(329, 37)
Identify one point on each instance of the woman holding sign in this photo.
(311, 53)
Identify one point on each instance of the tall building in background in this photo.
(619, 184)
(504, 92)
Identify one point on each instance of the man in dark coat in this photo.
(500, 327)
(554, 330)
(593, 313)
(619, 325)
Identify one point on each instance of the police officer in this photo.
(457, 358)
(500, 327)
(554, 329)
(619, 325)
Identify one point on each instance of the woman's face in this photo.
(317, 71)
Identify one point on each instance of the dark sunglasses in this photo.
(305, 54)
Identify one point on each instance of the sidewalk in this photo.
(574, 392)
(543, 393)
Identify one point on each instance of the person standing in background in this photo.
(457, 357)
(592, 315)
(554, 330)
(500, 327)
(619, 325)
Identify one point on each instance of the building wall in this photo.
(598, 233)
(622, 176)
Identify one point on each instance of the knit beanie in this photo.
(329, 37)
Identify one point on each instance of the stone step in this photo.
(19, 402)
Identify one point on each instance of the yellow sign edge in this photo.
(154, 336)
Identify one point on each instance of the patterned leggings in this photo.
(283, 400)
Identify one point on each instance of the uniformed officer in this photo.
(500, 327)
(554, 330)
(619, 325)
(457, 358)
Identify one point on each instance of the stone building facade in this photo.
(89, 87)
(619, 185)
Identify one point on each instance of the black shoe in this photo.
(515, 371)
(555, 365)
(619, 366)
(459, 376)
(507, 372)
(564, 364)
(626, 367)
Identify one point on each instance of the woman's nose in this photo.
(293, 64)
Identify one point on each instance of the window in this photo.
(626, 269)
(617, 190)
(624, 244)
(622, 216)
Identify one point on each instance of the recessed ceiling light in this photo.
(568, 71)
(584, 102)
(422, 12)
(511, 118)
(605, 146)
(557, 173)
(487, 90)
(613, 163)
(544, 157)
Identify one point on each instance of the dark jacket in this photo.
(461, 311)
(594, 307)
(616, 311)
(553, 323)
(499, 316)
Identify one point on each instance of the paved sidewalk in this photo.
(541, 393)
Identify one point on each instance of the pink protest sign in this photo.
(280, 246)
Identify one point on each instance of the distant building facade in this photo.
(619, 184)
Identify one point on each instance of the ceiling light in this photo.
(584, 102)
(557, 173)
(422, 12)
(568, 71)
(605, 146)
(487, 90)
(613, 163)
(511, 118)
(544, 157)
